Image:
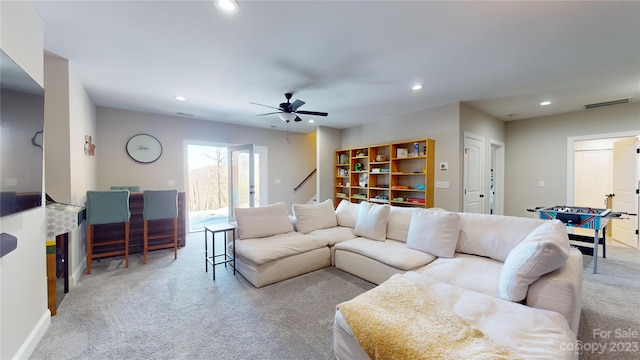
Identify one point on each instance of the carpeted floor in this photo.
(173, 310)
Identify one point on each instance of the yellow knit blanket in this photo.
(398, 320)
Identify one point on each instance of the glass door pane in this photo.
(241, 178)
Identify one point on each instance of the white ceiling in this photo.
(355, 60)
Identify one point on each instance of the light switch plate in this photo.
(442, 184)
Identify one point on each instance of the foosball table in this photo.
(584, 218)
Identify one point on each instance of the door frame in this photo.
(571, 153)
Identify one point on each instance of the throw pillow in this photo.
(372, 221)
(263, 221)
(311, 217)
(544, 250)
(347, 213)
(398, 223)
(434, 232)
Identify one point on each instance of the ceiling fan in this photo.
(289, 111)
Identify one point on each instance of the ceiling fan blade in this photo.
(271, 113)
(297, 119)
(273, 107)
(296, 104)
(317, 113)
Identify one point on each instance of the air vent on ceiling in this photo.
(607, 103)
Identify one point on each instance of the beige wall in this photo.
(56, 135)
(441, 124)
(289, 163)
(328, 140)
(24, 316)
(537, 150)
(69, 116)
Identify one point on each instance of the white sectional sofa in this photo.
(522, 265)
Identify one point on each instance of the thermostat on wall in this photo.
(444, 166)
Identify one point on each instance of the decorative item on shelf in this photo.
(419, 187)
(399, 198)
(361, 154)
(416, 149)
(375, 170)
(399, 187)
(415, 200)
(89, 147)
(359, 196)
(384, 170)
(380, 157)
(363, 180)
(402, 153)
(357, 167)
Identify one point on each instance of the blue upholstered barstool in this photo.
(131, 188)
(160, 205)
(107, 207)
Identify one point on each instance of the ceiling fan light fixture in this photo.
(287, 116)
(416, 87)
(228, 6)
(311, 121)
(545, 103)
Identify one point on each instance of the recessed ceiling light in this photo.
(416, 87)
(311, 121)
(181, 98)
(545, 103)
(228, 6)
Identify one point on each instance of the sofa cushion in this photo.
(372, 221)
(263, 250)
(335, 235)
(493, 235)
(347, 213)
(311, 217)
(471, 272)
(398, 223)
(434, 232)
(544, 250)
(390, 252)
(263, 221)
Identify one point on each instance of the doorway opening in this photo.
(599, 176)
(496, 179)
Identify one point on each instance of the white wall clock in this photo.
(144, 148)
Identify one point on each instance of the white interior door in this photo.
(241, 178)
(625, 184)
(473, 164)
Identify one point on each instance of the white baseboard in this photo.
(34, 337)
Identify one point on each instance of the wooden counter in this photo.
(136, 204)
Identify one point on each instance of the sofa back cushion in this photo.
(398, 223)
(347, 213)
(493, 236)
(434, 232)
(372, 221)
(544, 250)
(310, 217)
(263, 221)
